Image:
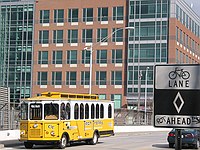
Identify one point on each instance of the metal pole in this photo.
(139, 87)
(145, 102)
(91, 51)
(90, 90)
(178, 139)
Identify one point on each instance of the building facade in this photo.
(16, 47)
(63, 30)
(54, 55)
(166, 32)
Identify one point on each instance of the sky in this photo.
(195, 6)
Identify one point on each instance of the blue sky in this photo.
(196, 5)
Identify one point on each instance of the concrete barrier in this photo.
(119, 129)
(14, 134)
(9, 135)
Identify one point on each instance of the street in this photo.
(121, 141)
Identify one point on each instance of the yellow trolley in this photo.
(63, 118)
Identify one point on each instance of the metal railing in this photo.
(128, 117)
(9, 120)
(123, 117)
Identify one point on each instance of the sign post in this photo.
(178, 139)
(177, 97)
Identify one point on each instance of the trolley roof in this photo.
(63, 96)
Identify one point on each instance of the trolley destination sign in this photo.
(177, 96)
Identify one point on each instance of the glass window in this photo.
(85, 57)
(42, 78)
(58, 15)
(63, 113)
(51, 111)
(86, 111)
(109, 111)
(43, 57)
(101, 111)
(102, 35)
(73, 15)
(116, 78)
(58, 36)
(85, 77)
(117, 56)
(92, 111)
(101, 56)
(70, 78)
(44, 37)
(56, 78)
(148, 10)
(36, 111)
(102, 96)
(68, 110)
(72, 57)
(101, 78)
(73, 36)
(87, 35)
(118, 13)
(76, 110)
(44, 16)
(97, 111)
(117, 35)
(57, 57)
(103, 14)
(87, 14)
(24, 111)
(81, 111)
(177, 34)
(117, 98)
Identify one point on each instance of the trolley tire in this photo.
(63, 142)
(94, 140)
(28, 145)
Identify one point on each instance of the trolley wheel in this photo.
(28, 145)
(63, 142)
(94, 140)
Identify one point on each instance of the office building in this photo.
(16, 47)
(165, 32)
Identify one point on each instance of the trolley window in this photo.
(76, 108)
(97, 111)
(81, 111)
(35, 111)
(101, 111)
(63, 113)
(92, 111)
(51, 111)
(109, 111)
(68, 110)
(24, 111)
(86, 111)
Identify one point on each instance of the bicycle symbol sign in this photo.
(179, 73)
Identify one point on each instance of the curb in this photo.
(1, 146)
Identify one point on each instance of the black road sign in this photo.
(177, 96)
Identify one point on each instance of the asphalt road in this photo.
(121, 141)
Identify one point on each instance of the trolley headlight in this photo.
(22, 132)
(35, 125)
(52, 133)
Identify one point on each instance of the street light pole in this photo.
(145, 103)
(91, 51)
(90, 92)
